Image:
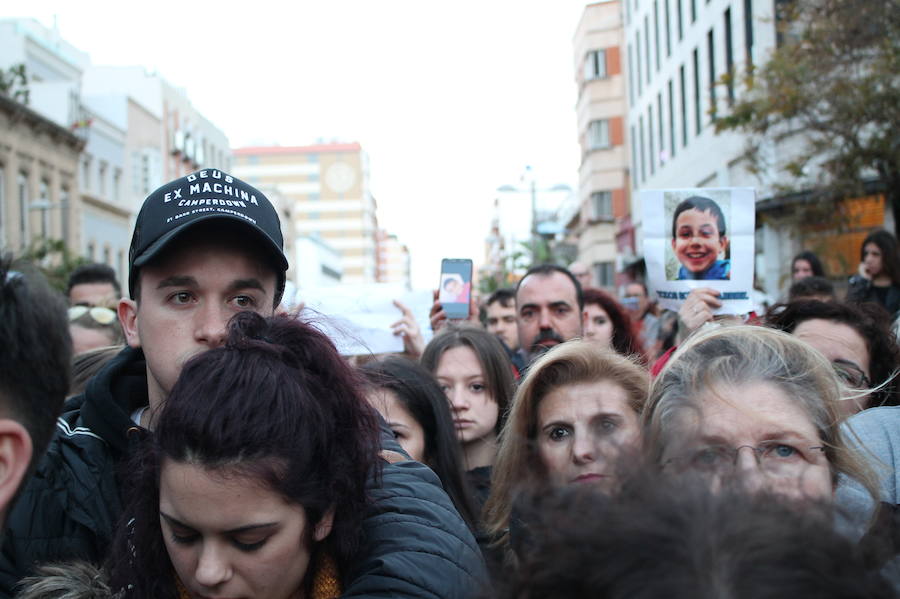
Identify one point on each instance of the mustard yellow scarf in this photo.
(326, 584)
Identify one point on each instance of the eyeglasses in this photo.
(100, 314)
(774, 458)
(851, 374)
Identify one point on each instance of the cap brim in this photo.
(160, 244)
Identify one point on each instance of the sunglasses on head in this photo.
(100, 314)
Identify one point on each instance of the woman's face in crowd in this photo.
(407, 430)
(461, 377)
(597, 325)
(697, 242)
(802, 269)
(872, 259)
(230, 536)
(757, 434)
(845, 348)
(582, 428)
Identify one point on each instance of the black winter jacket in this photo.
(415, 543)
(862, 290)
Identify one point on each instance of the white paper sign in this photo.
(358, 318)
(700, 238)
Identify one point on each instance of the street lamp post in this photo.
(533, 189)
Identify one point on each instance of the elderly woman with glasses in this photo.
(752, 406)
(858, 341)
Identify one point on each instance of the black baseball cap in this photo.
(203, 196)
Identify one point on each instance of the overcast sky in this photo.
(449, 99)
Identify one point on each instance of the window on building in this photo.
(101, 179)
(631, 97)
(729, 56)
(634, 160)
(598, 135)
(120, 266)
(24, 201)
(107, 256)
(117, 185)
(679, 13)
(650, 133)
(672, 118)
(748, 33)
(641, 148)
(595, 65)
(601, 205)
(65, 208)
(662, 138)
(145, 173)
(91, 252)
(693, 11)
(668, 28)
(604, 274)
(637, 50)
(656, 31)
(697, 113)
(684, 122)
(86, 173)
(711, 51)
(647, 45)
(43, 205)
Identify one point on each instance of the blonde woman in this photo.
(572, 418)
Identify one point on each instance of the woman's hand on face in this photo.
(863, 271)
(413, 341)
(697, 309)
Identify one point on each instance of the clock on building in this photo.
(340, 177)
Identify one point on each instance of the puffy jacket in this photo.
(415, 543)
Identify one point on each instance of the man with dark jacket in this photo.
(204, 248)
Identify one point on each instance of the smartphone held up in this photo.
(455, 291)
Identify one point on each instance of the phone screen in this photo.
(455, 289)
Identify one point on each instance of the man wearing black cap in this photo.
(206, 247)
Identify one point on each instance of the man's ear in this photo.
(15, 457)
(585, 319)
(723, 243)
(324, 525)
(128, 312)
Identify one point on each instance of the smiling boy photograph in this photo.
(699, 246)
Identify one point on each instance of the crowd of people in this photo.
(195, 439)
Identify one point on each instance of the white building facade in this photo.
(676, 53)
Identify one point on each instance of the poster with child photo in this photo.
(700, 238)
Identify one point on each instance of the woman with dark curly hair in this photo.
(607, 323)
(858, 341)
(878, 279)
(253, 482)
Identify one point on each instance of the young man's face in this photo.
(501, 321)
(186, 300)
(697, 242)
